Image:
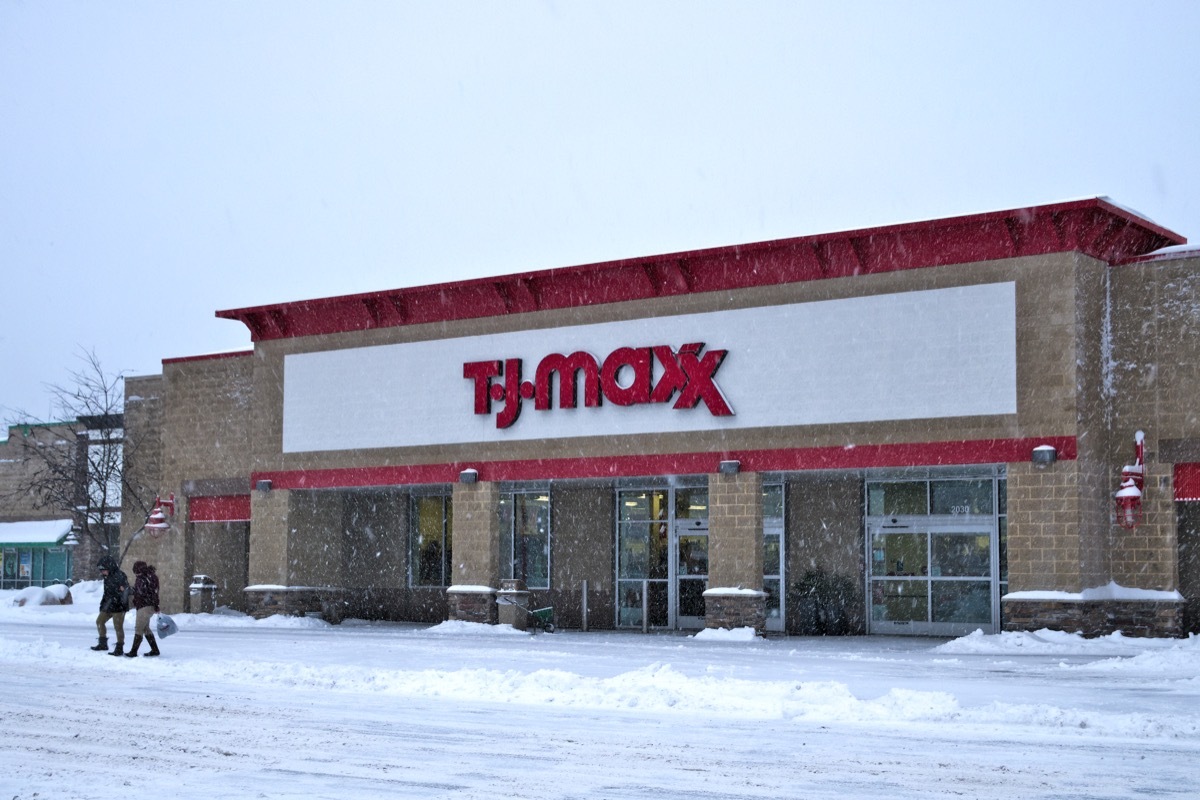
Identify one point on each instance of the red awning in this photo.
(222, 508)
(1187, 482)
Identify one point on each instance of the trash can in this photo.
(512, 604)
(203, 591)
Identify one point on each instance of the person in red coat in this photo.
(145, 600)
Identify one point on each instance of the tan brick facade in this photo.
(476, 565)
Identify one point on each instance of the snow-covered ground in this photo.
(292, 707)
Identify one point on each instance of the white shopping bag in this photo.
(165, 626)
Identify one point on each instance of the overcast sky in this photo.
(160, 161)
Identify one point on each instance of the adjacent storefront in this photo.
(34, 553)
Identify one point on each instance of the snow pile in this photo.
(1047, 642)
(659, 686)
(37, 596)
(725, 635)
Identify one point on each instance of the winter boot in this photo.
(119, 650)
(137, 642)
(101, 645)
(153, 645)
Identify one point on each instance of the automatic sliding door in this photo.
(662, 557)
(933, 579)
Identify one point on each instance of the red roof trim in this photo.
(921, 454)
(208, 357)
(1095, 227)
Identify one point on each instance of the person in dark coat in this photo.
(145, 600)
(113, 604)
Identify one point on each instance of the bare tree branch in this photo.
(79, 464)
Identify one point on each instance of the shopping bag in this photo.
(165, 626)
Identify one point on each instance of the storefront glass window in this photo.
(525, 537)
(10, 568)
(773, 549)
(691, 504)
(899, 554)
(961, 601)
(431, 540)
(961, 497)
(899, 498)
(900, 601)
(961, 555)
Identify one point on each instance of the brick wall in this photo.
(205, 437)
(582, 526)
(314, 549)
(1043, 527)
(17, 471)
(476, 534)
(1095, 618)
(735, 544)
(269, 537)
(143, 474)
(824, 531)
(1156, 380)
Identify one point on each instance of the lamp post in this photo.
(70, 542)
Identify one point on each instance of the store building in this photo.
(48, 508)
(35, 553)
(918, 428)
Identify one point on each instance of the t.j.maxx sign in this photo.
(629, 376)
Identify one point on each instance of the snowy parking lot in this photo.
(294, 707)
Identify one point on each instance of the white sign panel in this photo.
(912, 355)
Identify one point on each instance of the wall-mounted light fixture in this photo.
(263, 486)
(1043, 455)
(729, 467)
(468, 476)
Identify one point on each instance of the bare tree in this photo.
(79, 464)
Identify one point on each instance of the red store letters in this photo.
(688, 375)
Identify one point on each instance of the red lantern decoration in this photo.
(158, 523)
(1129, 496)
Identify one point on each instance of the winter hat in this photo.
(139, 567)
(107, 563)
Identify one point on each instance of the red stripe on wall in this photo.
(1187, 482)
(984, 451)
(225, 508)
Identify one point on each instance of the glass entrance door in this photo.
(662, 557)
(931, 577)
(936, 553)
(691, 572)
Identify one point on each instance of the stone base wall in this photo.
(1096, 618)
(472, 607)
(731, 611)
(328, 603)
